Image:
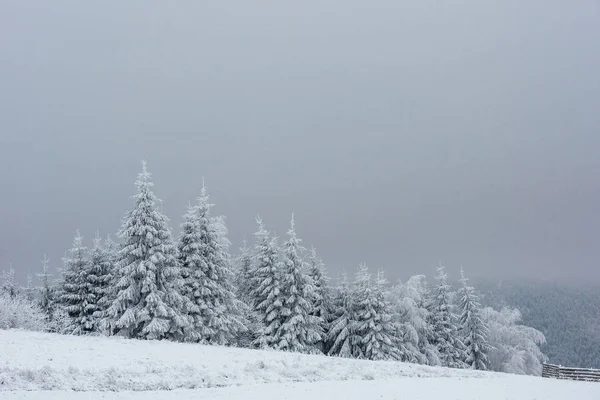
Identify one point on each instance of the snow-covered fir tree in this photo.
(445, 335)
(76, 295)
(212, 308)
(47, 301)
(299, 331)
(340, 337)
(8, 283)
(29, 288)
(243, 272)
(243, 283)
(110, 251)
(410, 310)
(266, 298)
(147, 302)
(100, 279)
(473, 328)
(374, 326)
(321, 300)
(389, 326)
(361, 301)
(246, 322)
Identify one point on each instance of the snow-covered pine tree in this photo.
(445, 335)
(147, 303)
(110, 251)
(388, 326)
(30, 289)
(361, 301)
(340, 337)
(374, 326)
(410, 311)
(246, 323)
(47, 299)
(212, 308)
(321, 301)
(243, 284)
(362, 297)
(299, 331)
(243, 276)
(266, 300)
(56, 317)
(190, 257)
(473, 328)
(8, 283)
(76, 294)
(100, 280)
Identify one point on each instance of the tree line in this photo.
(150, 285)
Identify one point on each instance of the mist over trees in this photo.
(569, 316)
(153, 286)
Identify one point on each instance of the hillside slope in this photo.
(41, 361)
(46, 366)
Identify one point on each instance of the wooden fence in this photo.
(576, 374)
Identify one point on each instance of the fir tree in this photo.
(110, 251)
(212, 308)
(243, 279)
(30, 289)
(47, 299)
(410, 309)
(266, 300)
(361, 296)
(8, 283)
(147, 304)
(388, 327)
(299, 331)
(321, 299)
(56, 318)
(340, 337)
(374, 326)
(76, 296)
(100, 280)
(445, 332)
(243, 276)
(473, 328)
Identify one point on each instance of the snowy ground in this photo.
(33, 363)
(512, 388)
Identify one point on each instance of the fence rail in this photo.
(576, 374)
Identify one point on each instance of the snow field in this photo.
(42, 361)
(41, 366)
(501, 387)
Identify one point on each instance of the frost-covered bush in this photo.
(20, 313)
(515, 347)
(59, 321)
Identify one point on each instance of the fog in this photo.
(400, 133)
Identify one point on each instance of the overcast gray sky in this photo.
(399, 132)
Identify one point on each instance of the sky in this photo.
(400, 133)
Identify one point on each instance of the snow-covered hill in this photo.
(38, 362)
